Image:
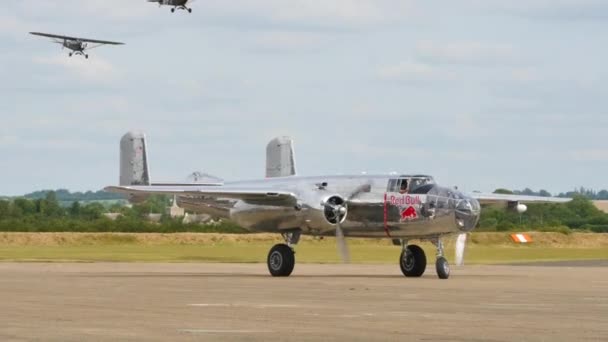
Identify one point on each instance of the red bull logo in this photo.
(402, 201)
(408, 213)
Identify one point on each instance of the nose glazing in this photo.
(467, 213)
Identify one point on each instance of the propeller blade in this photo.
(341, 241)
(461, 242)
(358, 190)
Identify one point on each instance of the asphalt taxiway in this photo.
(240, 302)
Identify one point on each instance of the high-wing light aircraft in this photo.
(398, 207)
(77, 45)
(177, 4)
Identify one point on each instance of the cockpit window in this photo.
(403, 188)
(411, 184)
(397, 185)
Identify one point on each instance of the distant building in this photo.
(602, 205)
(112, 216)
(174, 210)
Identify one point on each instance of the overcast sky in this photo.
(479, 93)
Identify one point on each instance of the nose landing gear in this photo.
(441, 264)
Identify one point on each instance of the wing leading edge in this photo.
(57, 36)
(270, 197)
(504, 198)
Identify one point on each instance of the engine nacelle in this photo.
(325, 212)
(520, 208)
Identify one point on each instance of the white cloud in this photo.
(313, 13)
(289, 41)
(94, 69)
(549, 9)
(413, 72)
(589, 155)
(467, 53)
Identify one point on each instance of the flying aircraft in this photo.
(77, 45)
(400, 207)
(177, 4)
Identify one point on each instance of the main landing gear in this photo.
(413, 260)
(78, 53)
(181, 7)
(281, 258)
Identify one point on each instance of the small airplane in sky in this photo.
(177, 4)
(398, 207)
(77, 45)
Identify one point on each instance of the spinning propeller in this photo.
(336, 209)
(461, 242)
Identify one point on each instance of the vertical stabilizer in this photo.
(280, 158)
(134, 159)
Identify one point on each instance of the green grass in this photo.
(316, 252)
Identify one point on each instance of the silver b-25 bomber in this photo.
(398, 207)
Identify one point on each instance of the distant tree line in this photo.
(584, 192)
(578, 214)
(63, 195)
(48, 215)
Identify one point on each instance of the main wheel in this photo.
(86, 56)
(443, 268)
(189, 10)
(172, 10)
(412, 261)
(281, 260)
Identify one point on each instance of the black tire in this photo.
(173, 10)
(412, 261)
(189, 10)
(281, 260)
(443, 268)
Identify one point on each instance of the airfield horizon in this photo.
(483, 248)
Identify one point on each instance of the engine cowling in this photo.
(334, 209)
(521, 208)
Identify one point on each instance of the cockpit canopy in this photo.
(414, 184)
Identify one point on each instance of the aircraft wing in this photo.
(504, 198)
(57, 36)
(251, 195)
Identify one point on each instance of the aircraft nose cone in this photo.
(467, 212)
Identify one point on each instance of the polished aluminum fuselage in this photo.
(377, 212)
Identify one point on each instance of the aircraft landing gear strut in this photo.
(413, 260)
(183, 7)
(441, 264)
(281, 258)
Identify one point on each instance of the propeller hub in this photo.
(334, 209)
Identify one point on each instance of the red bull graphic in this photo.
(405, 200)
(408, 213)
(406, 203)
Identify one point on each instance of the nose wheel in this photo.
(441, 264)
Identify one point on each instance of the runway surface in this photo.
(240, 302)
